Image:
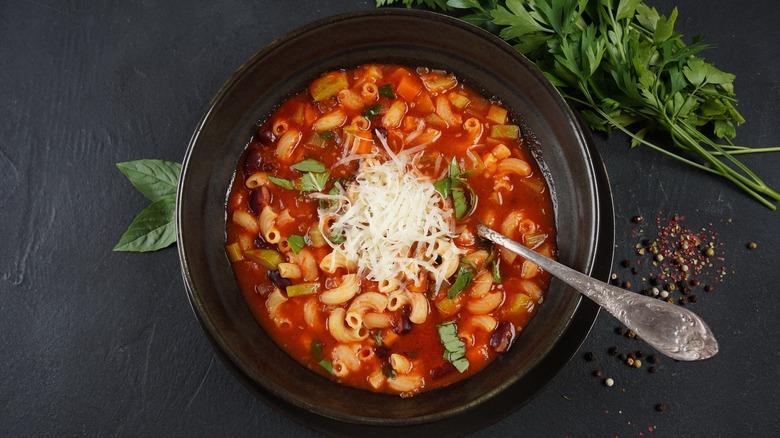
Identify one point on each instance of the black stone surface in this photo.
(97, 343)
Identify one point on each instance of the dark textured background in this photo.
(98, 343)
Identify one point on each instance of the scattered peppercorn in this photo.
(613, 351)
(708, 288)
(590, 356)
(752, 245)
(709, 252)
(626, 263)
(597, 373)
(622, 356)
(608, 381)
(631, 334)
(620, 330)
(693, 298)
(637, 219)
(637, 363)
(652, 358)
(652, 370)
(626, 284)
(660, 407)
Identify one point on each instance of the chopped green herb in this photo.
(315, 349)
(310, 165)
(454, 348)
(312, 182)
(388, 371)
(327, 365)
(460, 203)
(386, 91)
(464, 277)
(443, 187)
(325, 134)
(296, 242)
(281, 182)
(496, 272)
(372, 111)
(378, 338)
(337, 238)
(456, 186)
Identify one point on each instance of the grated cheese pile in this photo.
(391, 217)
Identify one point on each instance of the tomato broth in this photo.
(351, 228)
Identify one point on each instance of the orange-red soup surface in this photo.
(351, 228)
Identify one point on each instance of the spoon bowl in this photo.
(672, 330)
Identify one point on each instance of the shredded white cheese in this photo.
(390, 217)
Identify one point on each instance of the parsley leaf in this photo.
(623, 65)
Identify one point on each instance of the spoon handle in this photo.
(672, 330)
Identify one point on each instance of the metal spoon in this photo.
(672, 330)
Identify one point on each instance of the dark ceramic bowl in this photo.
(413, 38)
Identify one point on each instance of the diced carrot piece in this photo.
(408, 87)
(424, 103)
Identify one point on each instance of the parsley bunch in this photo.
(625, 68)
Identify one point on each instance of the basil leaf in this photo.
(337, 238)
(463, 279)
(296, 242)
(281, 182)
(154, 228)
(460, 203)
(454, 348)
(496, 271)
(325, 134)
(310, 166)
(443, 187)
(156, 179)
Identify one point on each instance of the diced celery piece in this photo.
(505, 131)
(234, 252)
(497, 114)
(296, 290)
(459, 100)
(328, 85)
(316, 140)
(267, 258)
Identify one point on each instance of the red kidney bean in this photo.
(278, 281)
(265, 137)
(502, 338)
(405, 324)
(258, 199)
(255, 163)
(441, 370)
(382, 352)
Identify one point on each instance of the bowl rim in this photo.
(564, 348)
